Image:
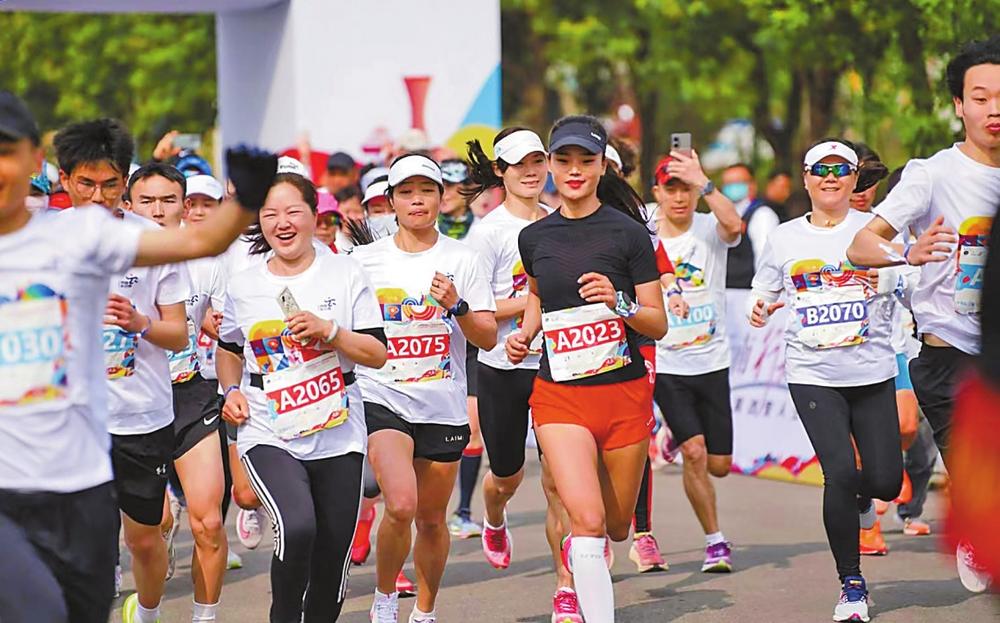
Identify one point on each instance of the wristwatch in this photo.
(708, 188)
(625, 306)
(460, 309)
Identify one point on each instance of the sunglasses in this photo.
(841, 169)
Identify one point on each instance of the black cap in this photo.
(340, 161)
(16, 121)
(590, 136)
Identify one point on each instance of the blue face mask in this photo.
(736, 192)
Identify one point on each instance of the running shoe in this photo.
(463, 527)
(853, 603)
(362, 545)
(718, 558)
(248, 528)
(867, 518)
(430, 617)
(645, 553)
(118, 581)
(871, 542)
(881, 507)
(385, 611)
(973, 575)
(565, 607)
(404, 586)
(498, 546)
(233, 560)
(914, 526)
(130, 607)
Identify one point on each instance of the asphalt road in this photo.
(783, 568)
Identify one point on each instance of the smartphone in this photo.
(190, 142)
(681, 142)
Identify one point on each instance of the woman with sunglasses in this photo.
(839, 360)
(290, 338)
(593, 288)
(434, 299)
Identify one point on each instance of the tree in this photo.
(153, 72)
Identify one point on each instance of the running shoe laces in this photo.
(647, 547)
(565, 602)
(969, 558)
(854, 590)
(251, 522)
(385, 612)
(496, 539)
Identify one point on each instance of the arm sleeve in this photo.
(762, 223)
(216, 286)
(480, 240)
(663, 264)
(768, 277)
(909, 200)
(229, 331)
(365, 310)
(173, 285)
(476, 289)
(525, 247)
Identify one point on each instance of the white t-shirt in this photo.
(495, 239)
(838, 330)
(53, 400)
(333, 288)
(205, 277)
(966, 193)
(138, 371)
(430, 388)
(697, 344)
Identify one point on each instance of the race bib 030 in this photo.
(33, 348)
(307, 398)
(584, 341)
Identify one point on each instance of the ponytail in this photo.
(482, 177)
(614, 191)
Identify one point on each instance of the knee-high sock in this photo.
(468, 474)
(592, 579)
(642, 521)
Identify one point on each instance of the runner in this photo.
(838, 357)
(591, 268)
(692, 361)
(520, 169)
(157, 191)
(950, 200)
(434, 299)
(57, 501)
(289, 385)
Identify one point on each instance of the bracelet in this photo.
(225, 394)
(142, 334)
(334, 330)
(674, 289)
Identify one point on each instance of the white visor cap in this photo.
(515, 146)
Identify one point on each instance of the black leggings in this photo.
(314, 508)
(831, 417)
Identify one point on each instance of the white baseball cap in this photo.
(414, 165)
(287, 164)
(375, 190)
(204, 185)
(612, 154)
(830, 148)
(516, 145)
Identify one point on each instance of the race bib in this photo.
(418, 351)
(307, 398)
(184, 363)
(972, 250)
(119, 352)
(206, 349)
(832, 317)
(699, 326)
(33, 349)
(584, 341)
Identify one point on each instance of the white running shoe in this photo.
(248, 528)
(233, 560)
(853, 603)
(423, 617)
(973, 575)
(385, 610)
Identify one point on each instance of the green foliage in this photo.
(154, 72)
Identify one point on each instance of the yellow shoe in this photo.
(872, 543)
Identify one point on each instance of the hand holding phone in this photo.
(681, 141)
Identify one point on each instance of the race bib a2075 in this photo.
(418, 351)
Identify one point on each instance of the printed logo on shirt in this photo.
(399, 306)
(973, 245)
(275, 349)
(33, 347)
(193, 300)
(689, 274)
(328, 304)
(128, 281)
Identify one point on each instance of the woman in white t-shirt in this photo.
(839, 358)
(434, 298)
(293, 328)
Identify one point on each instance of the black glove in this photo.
(252, 171)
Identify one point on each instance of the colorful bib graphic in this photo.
(33, 347)
(305, 399)
(419, 348)
(275, 349)
(831, 303)
(699, 326)
(973, 246)
(119, 351)
(584, 341)
(184, 363)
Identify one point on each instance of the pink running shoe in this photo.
(497, 544)
(645, 553)
(565, 608)
(404, 586)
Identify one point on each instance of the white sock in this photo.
(204, 612)
(393, 596)
(592, 578)
(420, 614)
(146, 615)
(486, 523)
(714, 538)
